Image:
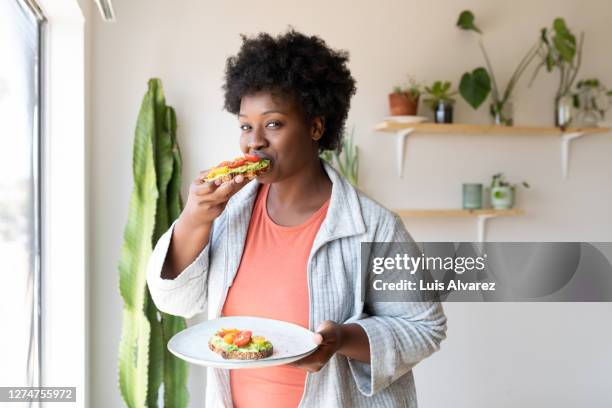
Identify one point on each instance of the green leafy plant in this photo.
(559, 50)
(475, 86)
(438, 92)
(499, 180)
(144, 360)
(412, 88)
(592, 95)
(347, 160)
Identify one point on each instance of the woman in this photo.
(287, 245)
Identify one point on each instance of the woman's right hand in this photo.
(207, 199)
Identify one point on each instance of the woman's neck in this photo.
(303, 192)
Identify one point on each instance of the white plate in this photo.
(290, 342)
(407, 119)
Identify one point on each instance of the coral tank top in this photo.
(271, 282)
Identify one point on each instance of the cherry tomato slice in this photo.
(252, 158)
(243, 338)
(237, 163)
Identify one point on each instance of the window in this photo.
(20, 192)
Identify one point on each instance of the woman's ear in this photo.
(317, 128)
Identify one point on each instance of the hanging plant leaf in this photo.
(475, 87)
(466, 21)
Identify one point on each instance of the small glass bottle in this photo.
(502, 114)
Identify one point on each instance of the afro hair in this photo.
(297, 66)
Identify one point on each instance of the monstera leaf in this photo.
(475, 87)
(144, 361)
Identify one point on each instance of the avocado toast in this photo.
(249, 166)
(240, 344)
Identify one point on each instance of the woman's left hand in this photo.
(329, 337)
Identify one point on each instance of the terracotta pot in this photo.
(403, 104)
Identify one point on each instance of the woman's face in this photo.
(274, 127)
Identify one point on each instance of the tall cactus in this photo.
(144, 360)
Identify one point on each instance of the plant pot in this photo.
(444, 112)
(502, 197)
(403, 104)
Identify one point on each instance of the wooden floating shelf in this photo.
(459, 128)
(428, 213)
(481, 215)
(403, 129)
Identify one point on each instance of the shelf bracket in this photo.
(481, 225)
(566, 139)
(401, 136)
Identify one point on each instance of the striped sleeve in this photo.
(186, 294)
(400, 334)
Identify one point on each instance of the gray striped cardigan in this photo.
(400, 333)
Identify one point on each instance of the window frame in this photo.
(63, 280)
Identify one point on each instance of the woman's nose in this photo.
(257, 140)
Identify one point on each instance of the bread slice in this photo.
(240, 354)
(227, 177)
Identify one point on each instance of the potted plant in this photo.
(476, 85)
(502, 192)
(404, 100)
(559, 50)
(439, 99)
(592, 99)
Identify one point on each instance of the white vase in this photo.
(502, 197)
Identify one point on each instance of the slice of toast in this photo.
(227, 177)
(240, 353)
(249, 170)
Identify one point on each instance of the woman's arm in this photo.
(191, 232)
(400, 334)
(186, 242)
(354, 343)
(177, 272)
(185, 294)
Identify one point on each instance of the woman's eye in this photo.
(244, 127)
(273, 124)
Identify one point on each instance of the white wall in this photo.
(496, 354)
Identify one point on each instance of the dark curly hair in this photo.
(297, 66)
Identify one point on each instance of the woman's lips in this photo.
(265, 156)
(261, 155)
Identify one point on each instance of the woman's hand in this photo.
(329, 337)
(208, 199)
(350, 340)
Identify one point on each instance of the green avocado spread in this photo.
(218, 342)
